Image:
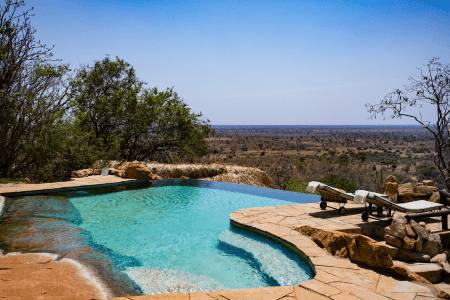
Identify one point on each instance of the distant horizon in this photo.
(324, 125)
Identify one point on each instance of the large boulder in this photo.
(365, 250)
(409, 192)
(81, 173)
(359, 248)
(390, 187)
(332, 241)
(136, 171)
(398, 226)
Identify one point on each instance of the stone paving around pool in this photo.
(75, 182)
(336, 278)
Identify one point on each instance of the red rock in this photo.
(81, 173)
(400, 270)
(135, 171)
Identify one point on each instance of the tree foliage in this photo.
(33, 93)
(111, 103)
(429, 90)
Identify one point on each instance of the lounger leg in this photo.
(444, 222)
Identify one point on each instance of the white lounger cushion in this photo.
(312, 186)
(420, 205)
(410, 207)
(315, 185)
(361, 195)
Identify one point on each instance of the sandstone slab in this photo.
(358, 291)
(33, 276)
(439, 258)
(320, 287)
(302, 293)
(390, 285)
(431, 272)
(266, 293)
(443, 290)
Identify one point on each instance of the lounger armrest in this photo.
(444, 195)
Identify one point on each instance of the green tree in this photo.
(133, 122)
(162, 127)
(33, 94)
(104, 100)
(426, 170)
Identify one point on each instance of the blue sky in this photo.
(257, 62)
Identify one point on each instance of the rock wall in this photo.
(212, 172)
(408, 192)
(414, 241)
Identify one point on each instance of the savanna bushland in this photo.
(349, 157)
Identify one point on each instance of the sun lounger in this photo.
(381, 201)
(330, 194)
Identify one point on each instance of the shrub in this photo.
(295, 186)
(399, 177)
(339, 182)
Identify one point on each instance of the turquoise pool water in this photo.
(182, 238)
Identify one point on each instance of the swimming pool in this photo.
(180, 233)
(174, 236)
